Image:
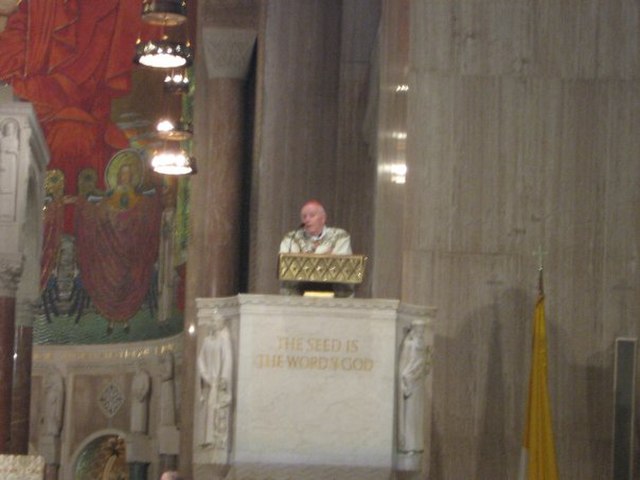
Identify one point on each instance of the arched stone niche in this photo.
(101, 454)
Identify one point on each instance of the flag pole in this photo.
(538, 456)
(540, 253)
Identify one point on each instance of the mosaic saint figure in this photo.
(122, 229)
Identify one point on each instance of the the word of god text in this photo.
(316, 353)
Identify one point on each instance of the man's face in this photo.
(313, 218)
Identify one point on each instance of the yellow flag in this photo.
(538, 461)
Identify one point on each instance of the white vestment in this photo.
(335, 241)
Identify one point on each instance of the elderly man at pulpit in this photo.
(316, 259)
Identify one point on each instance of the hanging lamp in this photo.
(164, 53)
(172, 158)
(173, 161)
(176, 132)
(177, 81)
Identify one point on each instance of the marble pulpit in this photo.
(301, 387)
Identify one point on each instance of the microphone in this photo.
(293, 234)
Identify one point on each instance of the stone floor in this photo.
(300, 472)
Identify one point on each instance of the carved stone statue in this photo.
(215, 367)
(140, 389)
(167, 395)
(412, 368)
(53, 403)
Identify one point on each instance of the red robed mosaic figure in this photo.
(70, 58)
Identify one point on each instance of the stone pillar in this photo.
(168, 447)
(167, 463)
(10, 273)
(138, 471)
(49, 448)
(22, 378)
(23, 159)
(138, 455)
(213, 255)
(51, 471)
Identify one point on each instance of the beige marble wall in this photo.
(522, 133)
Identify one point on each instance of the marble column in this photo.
(167, 463)
(138, 471)
(21, 381)
(10, 272)
(138, 455)
(21, 394)
(51, 471)
(213, 255)
(212, 266)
